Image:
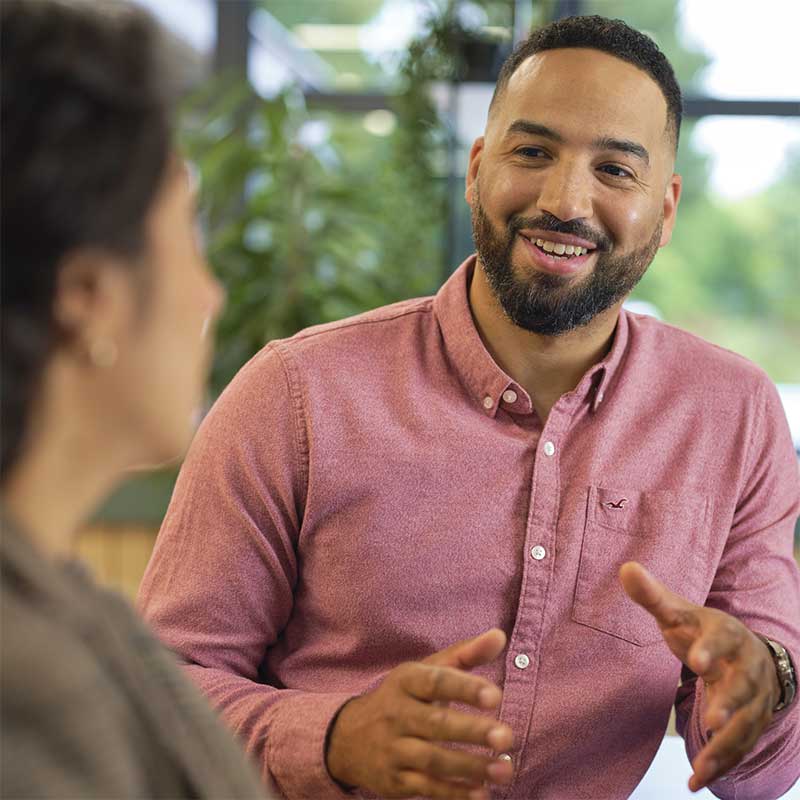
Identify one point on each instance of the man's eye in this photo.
(615, 171)
(531, 152)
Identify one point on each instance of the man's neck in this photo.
(545, 366)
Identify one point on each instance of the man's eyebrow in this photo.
(622, 145)
(603, 143)
(534, 129)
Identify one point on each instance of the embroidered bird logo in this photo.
(621, 502)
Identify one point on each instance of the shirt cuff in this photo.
(295, 761)
(746, 774)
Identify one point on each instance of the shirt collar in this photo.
(479, 372)
(601, 375)
(488, 384)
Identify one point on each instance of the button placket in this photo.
(521, 687)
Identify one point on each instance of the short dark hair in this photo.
(86, 141)
(612, 36)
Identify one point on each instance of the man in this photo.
(369, 493)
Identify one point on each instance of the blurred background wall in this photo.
(331, 139)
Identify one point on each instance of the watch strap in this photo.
(787, 676)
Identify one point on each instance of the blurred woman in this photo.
(106, 309)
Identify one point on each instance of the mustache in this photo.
(547, 222)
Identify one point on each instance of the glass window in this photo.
(194, 21)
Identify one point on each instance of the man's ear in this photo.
(672, 196)
(475, 155)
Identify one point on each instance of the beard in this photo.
(551, 305)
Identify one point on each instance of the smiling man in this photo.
(371, 500)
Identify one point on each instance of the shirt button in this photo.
(522, 661)
(510, 396)
(504, 757)
(549, 448)
(538, 552)
(488, 402)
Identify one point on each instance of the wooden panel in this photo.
(117, 554)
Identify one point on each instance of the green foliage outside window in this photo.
(306, 233)
(732, 274)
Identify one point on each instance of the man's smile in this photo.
(556, 257)
(558, 243)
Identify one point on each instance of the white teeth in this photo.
(560, 249)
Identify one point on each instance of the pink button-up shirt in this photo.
(373, 490)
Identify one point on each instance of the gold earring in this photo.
(103, 353)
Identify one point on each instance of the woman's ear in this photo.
(93, 298)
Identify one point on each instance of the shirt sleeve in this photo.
(757, 581)
(219, 587)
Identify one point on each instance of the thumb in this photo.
(668, 608)
(470, 653)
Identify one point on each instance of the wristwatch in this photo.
(787, 677)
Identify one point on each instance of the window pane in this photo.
(732, 270)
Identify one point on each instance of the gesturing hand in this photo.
(741, 683)
(385, 740)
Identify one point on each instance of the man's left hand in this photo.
(741, 682)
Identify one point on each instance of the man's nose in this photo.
(566, 192)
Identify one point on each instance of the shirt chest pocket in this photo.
(662, 530)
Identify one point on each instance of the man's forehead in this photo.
(593, 86)
(568, 63)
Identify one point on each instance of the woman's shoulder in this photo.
(93, 705)
(66, 729)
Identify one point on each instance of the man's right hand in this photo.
(386, 740)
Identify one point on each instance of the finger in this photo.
(445, 724)
(669, 609)
(446, 764)
(415, 784)
(730, 745)
(722, 641)
(431, 683)
(471, 653)
(734, 691)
